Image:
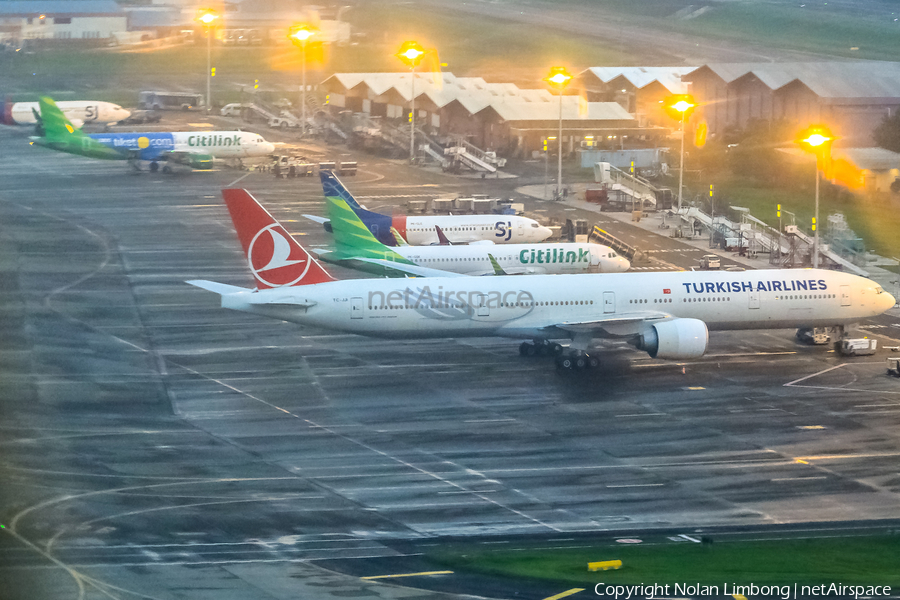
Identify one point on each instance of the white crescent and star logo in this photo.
(270, 258)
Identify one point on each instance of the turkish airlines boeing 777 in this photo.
(666, 314)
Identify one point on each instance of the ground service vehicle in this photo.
(857, 347)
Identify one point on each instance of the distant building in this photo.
(492, 116)
(640, 90)
(851, 97)
(23, 20)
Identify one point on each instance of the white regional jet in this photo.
(78, 112)
(666, 314)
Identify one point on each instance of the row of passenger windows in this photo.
(806, 297)
(502, 305)
(459, 259)
(589, 302)
(433, 230)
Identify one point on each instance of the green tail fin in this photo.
(351, 236)
(55, 123)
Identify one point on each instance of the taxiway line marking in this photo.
(565, 594)
(790, 383)
(422, 574)
(636, 485)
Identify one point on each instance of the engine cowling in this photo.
(676, 339)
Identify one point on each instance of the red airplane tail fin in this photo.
(275, 258)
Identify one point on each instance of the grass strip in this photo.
(870, 560)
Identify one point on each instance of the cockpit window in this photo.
(613, 255)
(878, 289)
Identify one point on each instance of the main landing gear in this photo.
(567, 359)
(577, 361)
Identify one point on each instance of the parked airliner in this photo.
(78, 112)
(419, 230)
(61, 135)
(666, 314)
(356, 247)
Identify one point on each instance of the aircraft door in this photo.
(356, 308)
(609, 303)
(479, 303)
(845, 295)
(521, 230)
(754, 299)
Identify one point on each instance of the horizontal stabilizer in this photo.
(317, 219)
(217, 288)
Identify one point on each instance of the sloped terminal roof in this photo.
(475, 94)
(640, 77)
(874, 159)
(574, 108)
(835, 80)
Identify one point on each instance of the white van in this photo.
(231, 110)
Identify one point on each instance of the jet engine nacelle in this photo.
(676, 339)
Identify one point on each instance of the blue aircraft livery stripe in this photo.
(149, 145)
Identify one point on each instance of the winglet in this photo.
(397, 237)
(443, 240)
(498, 270)
(275, 258)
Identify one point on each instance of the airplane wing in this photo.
(620, 325)
(414, 270)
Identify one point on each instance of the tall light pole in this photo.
(680, 107)
(298, 35)
(818, 139)
(559, 78)
(411, 53)
(207, 17)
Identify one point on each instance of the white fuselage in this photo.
(517, 259)
(464, 229)
(223, 144)
(77, 111)
(532, 307)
